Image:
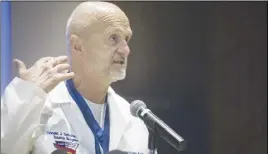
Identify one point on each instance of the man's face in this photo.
(106, 50)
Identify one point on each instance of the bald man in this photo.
(66, 103)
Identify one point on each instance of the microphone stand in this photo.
(153, 141)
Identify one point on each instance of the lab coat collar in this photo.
(119, 114)
(119, 118)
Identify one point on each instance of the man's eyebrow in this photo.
(117, 29)
(127, 31)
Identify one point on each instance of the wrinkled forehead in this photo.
(112, 21)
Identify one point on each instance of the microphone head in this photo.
(135, 107)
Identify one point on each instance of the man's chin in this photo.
(118, 76)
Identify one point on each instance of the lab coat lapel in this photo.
(74, 116)
(78, 125)
(119, 119)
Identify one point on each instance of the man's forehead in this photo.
(110, 29)
(113, 22)
(119, 29)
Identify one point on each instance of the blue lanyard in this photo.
(102, 137)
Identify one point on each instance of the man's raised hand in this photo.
(47, 72)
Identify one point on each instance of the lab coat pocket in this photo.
(57, 135)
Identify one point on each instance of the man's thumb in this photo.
(19, 65)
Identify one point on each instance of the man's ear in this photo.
(76, 44)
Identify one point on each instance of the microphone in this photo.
(153, 123)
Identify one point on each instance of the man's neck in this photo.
(92, 89)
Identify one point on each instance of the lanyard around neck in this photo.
(102, 136)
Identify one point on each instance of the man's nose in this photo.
(124, 48)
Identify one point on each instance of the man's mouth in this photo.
(121, 62)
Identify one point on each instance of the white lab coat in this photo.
(30, 117)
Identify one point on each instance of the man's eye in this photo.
(114, 38)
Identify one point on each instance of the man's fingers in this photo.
(44, 60)
(60, 60)
(65, 76)
(19, 65)
(53, 61)
(62, 67)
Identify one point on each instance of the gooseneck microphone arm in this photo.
(153, 141)
(157, 127)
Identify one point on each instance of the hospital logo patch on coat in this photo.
(65, 142)
(69, 148)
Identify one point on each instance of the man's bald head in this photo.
(88, 16)
(98, 35)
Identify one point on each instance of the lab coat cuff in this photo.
(27, 88)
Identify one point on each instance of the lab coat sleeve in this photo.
(21, 107)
